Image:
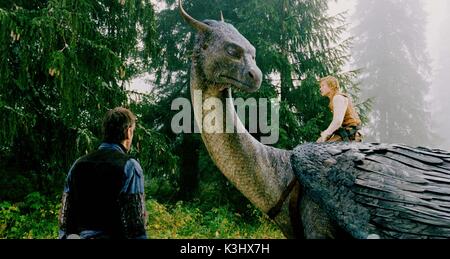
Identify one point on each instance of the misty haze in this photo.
(402, 49)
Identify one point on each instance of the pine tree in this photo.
(389, 49)
(63, 64)
(296, 43)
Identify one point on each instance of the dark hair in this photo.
(115, 124)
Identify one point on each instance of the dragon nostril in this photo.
(252, 75)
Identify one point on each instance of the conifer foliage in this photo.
(62, 65)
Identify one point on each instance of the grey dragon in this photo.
(345, 190)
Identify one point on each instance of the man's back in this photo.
(96, 182)
(105, 195)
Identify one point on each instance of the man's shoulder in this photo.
(341, 98)
(105, 154)
(133, 159)
(103, 157)
(341, 95)
(133, 163)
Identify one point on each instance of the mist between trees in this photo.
(65, 63)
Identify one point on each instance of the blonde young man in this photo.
(346, 123)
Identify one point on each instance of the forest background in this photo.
(64, 63)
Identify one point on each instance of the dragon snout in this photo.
(253, 77)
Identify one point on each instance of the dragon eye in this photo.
(233, 51)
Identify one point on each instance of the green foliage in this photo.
(36, 217)
(63, 64)
(190, 220)
(155, 151)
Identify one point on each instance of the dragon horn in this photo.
(194, 23)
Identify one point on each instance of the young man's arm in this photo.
(133, 215)
(340, 104)
(67, 224)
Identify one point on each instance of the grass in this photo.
(37, 218)
(188, 221)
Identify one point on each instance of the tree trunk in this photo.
(189, 167)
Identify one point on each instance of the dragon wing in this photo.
(377, 190)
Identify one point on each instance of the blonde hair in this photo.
(332, 83)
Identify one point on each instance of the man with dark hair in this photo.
(104, 191)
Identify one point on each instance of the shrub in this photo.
(36, 217)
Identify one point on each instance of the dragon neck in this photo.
(261, 173)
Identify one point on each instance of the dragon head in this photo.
(225, 57)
